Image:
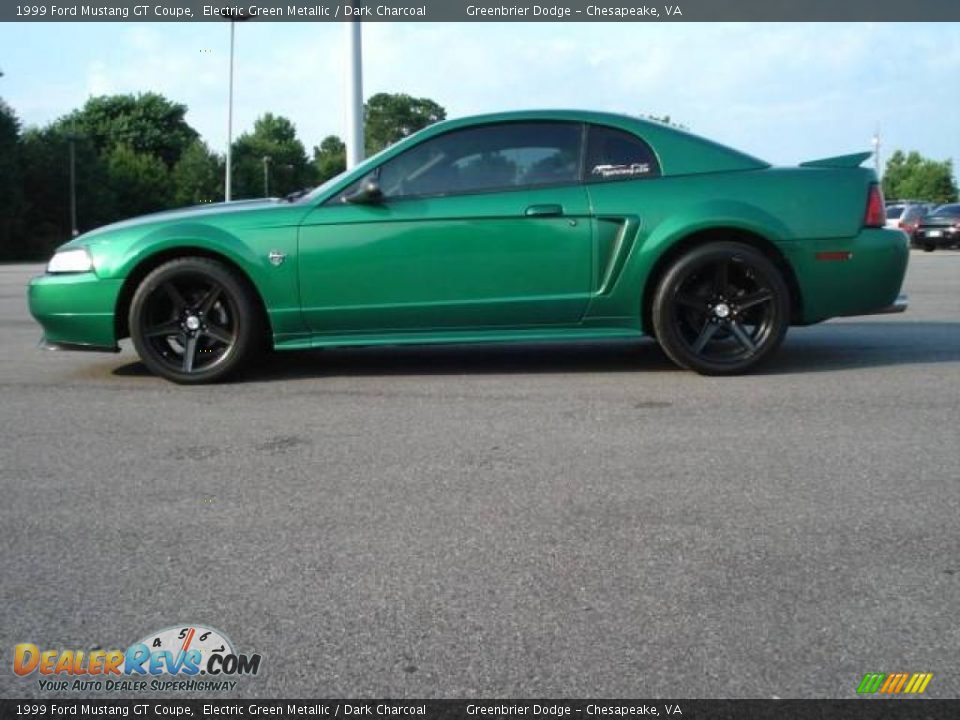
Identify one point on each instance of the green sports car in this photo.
(523, 226)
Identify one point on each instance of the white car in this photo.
(906, 215)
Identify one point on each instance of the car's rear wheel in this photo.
(721, 309)
(929, 247)
(193, 321)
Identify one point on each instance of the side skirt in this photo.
(73, 347)
(449, 337)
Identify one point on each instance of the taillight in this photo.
(875, 216)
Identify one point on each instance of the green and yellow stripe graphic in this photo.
(894, 683)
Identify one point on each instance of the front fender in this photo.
(277, 285)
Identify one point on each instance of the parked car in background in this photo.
(913, 216)
(526, 226)
(939, 229)
(906, 214)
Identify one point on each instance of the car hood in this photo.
(195, 212)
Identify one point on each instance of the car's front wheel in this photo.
(721, 308)
(192, 320)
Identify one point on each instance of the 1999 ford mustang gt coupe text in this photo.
(521, 226)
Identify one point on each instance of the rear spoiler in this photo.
(840, 161)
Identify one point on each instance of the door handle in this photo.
(543, 211)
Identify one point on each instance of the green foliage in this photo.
(273, 137)
(136, 154)
(914, 177)
(140, 181)
(124, 146)
(147, 123)
(46, 187)
(329, 158)
(11, 182)
(197, 177)
(389, 117)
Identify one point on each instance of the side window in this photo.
(618, 155)
(489, 157)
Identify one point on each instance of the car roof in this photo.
(680, 152)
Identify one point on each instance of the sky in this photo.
(785, 92)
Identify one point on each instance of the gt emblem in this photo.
(276, 257)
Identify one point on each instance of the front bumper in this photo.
(75, 310)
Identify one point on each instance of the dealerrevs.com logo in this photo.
(894, 683)
(185, 657)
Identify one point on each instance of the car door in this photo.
(481, 227)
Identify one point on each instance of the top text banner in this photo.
(478, 10)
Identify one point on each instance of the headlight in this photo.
(70, 261)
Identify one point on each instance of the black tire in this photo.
(193, 321)
(929, 247)
(721, 309)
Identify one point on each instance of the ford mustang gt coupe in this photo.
(522, 226)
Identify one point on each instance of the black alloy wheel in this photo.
(721, 308)
(193, 321)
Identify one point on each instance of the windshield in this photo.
(321, 189)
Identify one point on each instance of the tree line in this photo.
(910, 176)
(135, 154)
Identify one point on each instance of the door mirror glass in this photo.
(368, 193)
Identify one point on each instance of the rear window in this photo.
(948, 210)
(617, 155)
(894, 212)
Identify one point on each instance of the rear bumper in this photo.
(860, 275)
(897, 306)
(947, 237)
(76, 310)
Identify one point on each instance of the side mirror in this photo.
(368, 193)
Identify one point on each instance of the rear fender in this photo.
(626, 297)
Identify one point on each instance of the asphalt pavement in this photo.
(496, 521)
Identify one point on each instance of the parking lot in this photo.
(535, 521)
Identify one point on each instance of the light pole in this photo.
(233, 17)
(228, 184)
(266, 176)
(875, 141)
(72, 137)
(354, 95)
